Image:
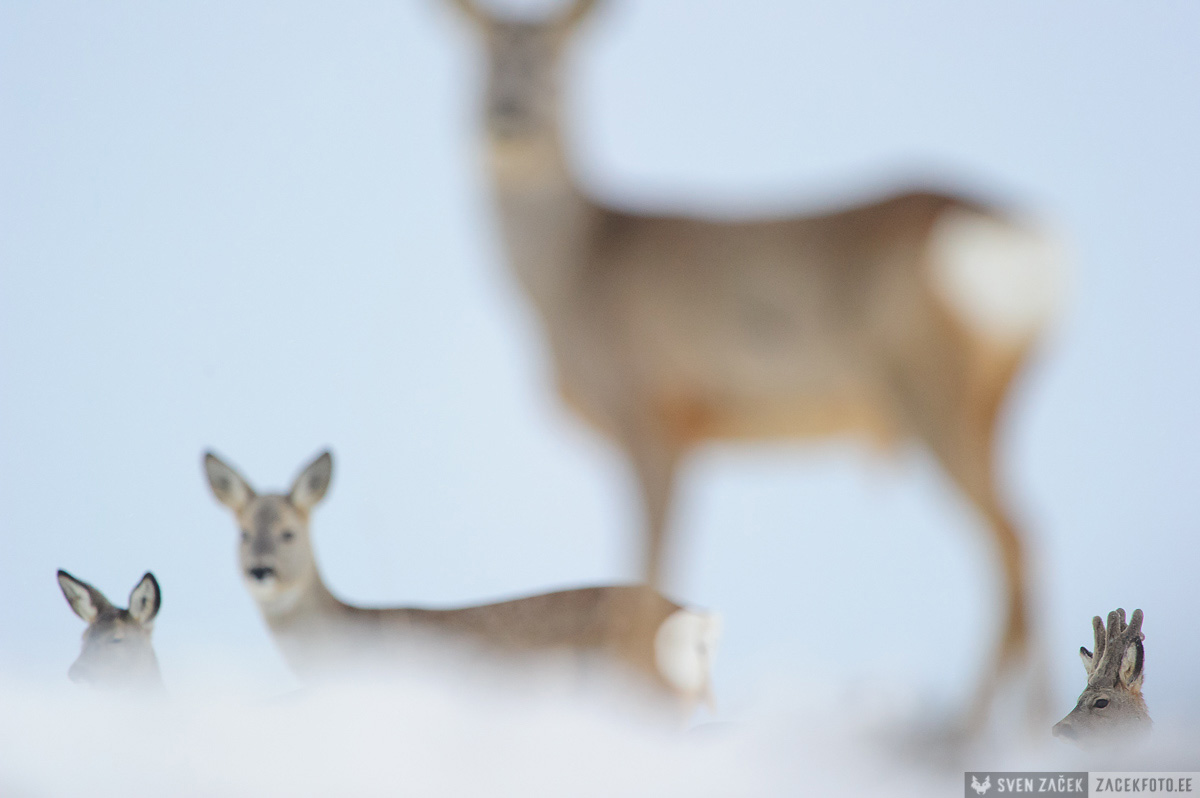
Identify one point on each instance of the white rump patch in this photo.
(683, 649)
(1004, 281)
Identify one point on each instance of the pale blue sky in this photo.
(263, 227)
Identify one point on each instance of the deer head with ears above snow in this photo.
(117, 653)
(1111, 705)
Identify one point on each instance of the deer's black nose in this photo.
(1064, 730)
(261, 573)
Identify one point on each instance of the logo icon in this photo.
(980, 789)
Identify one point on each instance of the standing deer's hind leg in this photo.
(1013, 647)
(962, 442)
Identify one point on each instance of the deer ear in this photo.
(145, 600)
(85, 600)
(1131, 665)
(1089, 664)
(227, 485)
(309, 488)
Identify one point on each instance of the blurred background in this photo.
(264, 228)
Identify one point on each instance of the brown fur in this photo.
(318, 633)
(670, 331)
(1111, 708)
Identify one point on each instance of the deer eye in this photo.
(1101, 703)
(245, 536)
(288, 535)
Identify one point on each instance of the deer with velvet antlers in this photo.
(903, 318)
(1111, 707)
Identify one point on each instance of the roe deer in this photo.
(1111, 706)
(903, 318)
(117, 653)
(317, 633)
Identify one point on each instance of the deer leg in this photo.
(1013, 645)
(971, 470)
(655, 464)
(962, 442)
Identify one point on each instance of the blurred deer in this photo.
(1111, 706)
(902, 318)
(117, 653)
(317, 632)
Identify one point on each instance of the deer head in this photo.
(117, 653)
(1111, 706)
(521, 100)
(274, 550)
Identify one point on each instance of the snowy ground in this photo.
(421, 737)
(266, 229)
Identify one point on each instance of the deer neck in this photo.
(154, 679)
(545, 219)
(309, 600)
